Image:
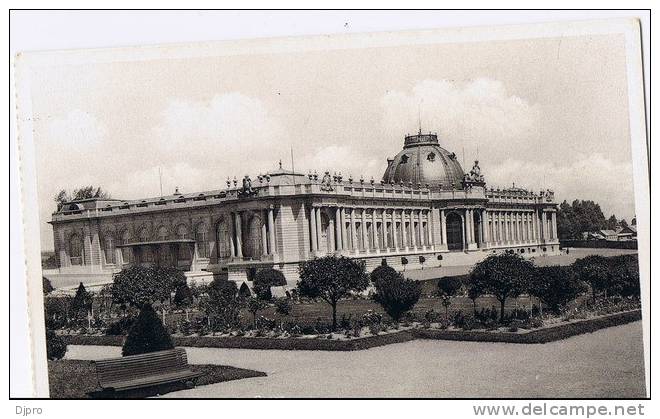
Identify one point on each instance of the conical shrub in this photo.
(147, 334)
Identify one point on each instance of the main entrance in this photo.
(454, 231)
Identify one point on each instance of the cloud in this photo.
(595, 177)
(222, 134)
(345, 159)
(474, 114)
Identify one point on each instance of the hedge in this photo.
(542, 335)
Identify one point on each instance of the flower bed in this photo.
(545, 334)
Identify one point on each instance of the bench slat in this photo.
(144, 370)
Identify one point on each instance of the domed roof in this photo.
(423, 161)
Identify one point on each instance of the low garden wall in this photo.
(541, 335)
(604, 244)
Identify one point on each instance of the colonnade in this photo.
(268, 245)
(337, 228)
(521, 226)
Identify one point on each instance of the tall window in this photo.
(222, 238)
(76, 250)
(109, 249)
(126, 252)
(184, 249)
(202, 241)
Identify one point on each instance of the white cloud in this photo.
(476, 114)
(594, 177)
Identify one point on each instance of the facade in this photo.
(425, 212)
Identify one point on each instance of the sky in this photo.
(540, 113)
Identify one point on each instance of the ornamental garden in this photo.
(337, 301)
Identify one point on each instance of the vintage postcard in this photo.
(444, 213)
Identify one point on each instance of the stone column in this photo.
(465, 231)
(420, 230)
(232, 234)
(271, 232)
(365, 237)
(443, 220)
(413, 230)
(554, 225)
(544, 233)
(264, 235)
(331, 233)
(353, 244)
(485, 224)
(404, 232)
(395, 239)
(239, 239)
(338, 228)
(312, 229)
(342, 218)
(317, 214)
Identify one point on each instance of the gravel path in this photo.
(604, 364)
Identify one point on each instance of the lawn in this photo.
(73, 379)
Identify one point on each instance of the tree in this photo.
(624, 275)
(142, 286)
(578, 217)
(46, 285)
(404, 262)
(593, 270)
(474, 292)
(254, 306)
(396, 294)
(612, 223)
(55, 346)
(332, 278)
(222, 304)
(183, 298)
(505, 275)
(623, 223)
(555, 286)
(266, 278)
(82, 302)
(147, 334)
(448, 287)
(85, 192)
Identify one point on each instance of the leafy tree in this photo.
(555, 286)
(396, 294)
(623, 223)
(266, 278)
(85, 192)
(578, 217)
(505, 275)
(612, 223)
(254, 306)
(142, 286)
(332, 278)
(222, 304)
(404, 262)
(593, 270)
(448, 287)
(474, 292)
(82, 302)
(55, 346)
(147, 334)
(46, 285)
(56, 311)
(183, 297)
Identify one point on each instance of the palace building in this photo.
(425, 212)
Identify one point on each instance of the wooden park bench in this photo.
(145, 370)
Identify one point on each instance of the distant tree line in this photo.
(85, 192)
(582, 216)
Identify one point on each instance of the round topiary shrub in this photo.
(266, 278)
(55, 346)
(147, 334)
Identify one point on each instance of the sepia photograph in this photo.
(445, 213)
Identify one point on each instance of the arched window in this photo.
(76, 250)
(147, 253)
(201, 237)
(184, 249)
(163, 234)
(109, 245)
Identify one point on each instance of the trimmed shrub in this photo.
(55, 346)
(222, 304)
(283, 306)
(396, 294)
(147, 334)
(266, 278)
(183, 296)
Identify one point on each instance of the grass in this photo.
(74, 379)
